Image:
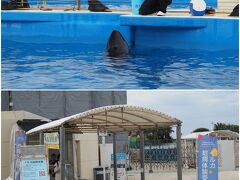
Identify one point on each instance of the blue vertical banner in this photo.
(207, 158)
(20, 140)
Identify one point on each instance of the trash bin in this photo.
(98, 173)
(197, 7)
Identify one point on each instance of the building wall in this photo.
(87, 154)
(226, 155)
(59, 104)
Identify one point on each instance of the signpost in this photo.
(103, 135)
(207, 158)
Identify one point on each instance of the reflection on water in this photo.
(46, 66)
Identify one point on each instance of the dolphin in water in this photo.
(116, 45)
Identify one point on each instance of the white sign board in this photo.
(34, 169)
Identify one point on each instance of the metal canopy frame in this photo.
(113, 119)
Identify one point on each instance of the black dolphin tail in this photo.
(116, 45)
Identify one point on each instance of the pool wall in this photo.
(184, 32)
(45, 27)
(211, 33)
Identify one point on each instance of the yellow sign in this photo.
(51, 140)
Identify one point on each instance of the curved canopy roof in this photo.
(116, 118)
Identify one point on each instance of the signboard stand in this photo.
(34, 163)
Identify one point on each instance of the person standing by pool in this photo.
(154, 6)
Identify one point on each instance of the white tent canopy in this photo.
(218, 133)
(116, 118)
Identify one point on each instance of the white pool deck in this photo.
(171, 12)
(187, 175)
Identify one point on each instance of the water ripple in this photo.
(46, 66)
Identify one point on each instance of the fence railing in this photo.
(114, 4)
(162, 157)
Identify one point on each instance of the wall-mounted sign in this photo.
(51, 140)
(207, 158)
(34, 169)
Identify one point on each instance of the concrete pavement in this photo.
(187, 175)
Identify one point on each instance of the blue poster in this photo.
(121, 159)
(207, 158)
(34, 169)
(20, 140)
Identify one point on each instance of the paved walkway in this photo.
(188, 175)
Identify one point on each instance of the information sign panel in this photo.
(34, 169)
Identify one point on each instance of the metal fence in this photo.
(162, 157)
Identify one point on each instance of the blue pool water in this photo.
(75, 66)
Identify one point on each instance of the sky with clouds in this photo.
(194, 108)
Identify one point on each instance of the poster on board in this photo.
(34, 169)
(207, 158)
(51, 140)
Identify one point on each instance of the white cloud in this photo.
(195, 108)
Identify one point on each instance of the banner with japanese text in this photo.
(207, 158)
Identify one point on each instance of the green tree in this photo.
(161, 134)
(223, 126)
(200, 130)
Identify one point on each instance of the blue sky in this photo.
(194, 108)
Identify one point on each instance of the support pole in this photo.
(78, 4)
(179, 152)
(142, 155)
(41, 138)
(44, 4)
(62, 152)
(114, 156)
(150, 170)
